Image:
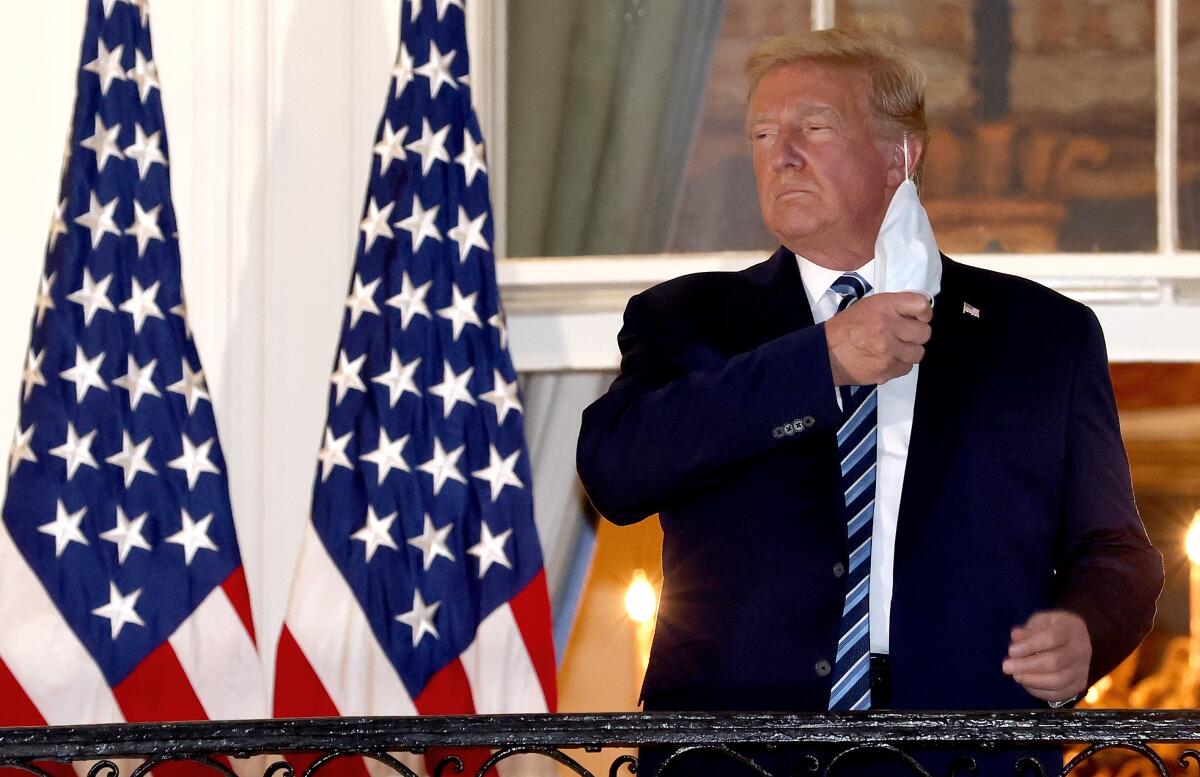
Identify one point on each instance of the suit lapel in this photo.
(786, 308)
(937, 409)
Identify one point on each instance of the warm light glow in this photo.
(640, 599)
(1192, 542)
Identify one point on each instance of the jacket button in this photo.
(808, 421)
(839, 569)
(823, 668)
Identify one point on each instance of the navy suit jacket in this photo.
(1016, 496)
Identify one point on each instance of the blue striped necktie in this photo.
(856, 450)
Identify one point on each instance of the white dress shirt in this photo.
(895, 415)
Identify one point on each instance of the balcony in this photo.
(1096, 741)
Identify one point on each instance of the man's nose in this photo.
(789, 150)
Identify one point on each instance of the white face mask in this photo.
(906, 253)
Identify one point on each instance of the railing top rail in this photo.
(593, 730)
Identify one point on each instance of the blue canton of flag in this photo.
(117, 511)
(423, 552)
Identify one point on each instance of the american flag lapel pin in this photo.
(970, 310)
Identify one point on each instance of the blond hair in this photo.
(897, 81)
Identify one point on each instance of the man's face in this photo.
(824, 176)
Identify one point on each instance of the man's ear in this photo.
(898, 167)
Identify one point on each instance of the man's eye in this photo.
(815, 127)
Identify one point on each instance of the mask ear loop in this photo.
(907, 175)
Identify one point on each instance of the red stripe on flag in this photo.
(158, 689)
(449, 693)
(239, 594)
(531, 610)
(18, 709)
(299, 693)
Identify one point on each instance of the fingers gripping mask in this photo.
(906, 252)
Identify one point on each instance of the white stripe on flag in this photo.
(220, 660)
(331, 629)
(503, 679)
(45, 656)
(498, 667)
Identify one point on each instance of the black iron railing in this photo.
(215, 747)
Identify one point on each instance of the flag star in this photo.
(410, 301)
(145, 227)
(453, 388)
(141, 304)
(21, 450)
(146, 150)
(420, 618)
(132, 458)
(399, 379)
(443, 466)
(99, 219)
(107, 65)
(346, 376)
(120, 609)
(143, 7)
(376, 533)
(490, 549)
(144, 72)
(58, 225)
(497, 321)
(194, 460)
(444, 5)
(421, 223)
(468, 233)
(403, 70)
(375, 223)
(32, 374)
(471, 158)
(76, 451)
(103, 142)
(431, 146)
(362, 299)
(126, 535)
(45, 299)
(190, 386)
(461, 311)
(414, 10)
(503, 396)
(193, 536)
(92, 296)
(85, 374)
(432, 543)
(437, 69)
(499, 471)
(388, 456)
(64, 528)
(138, 381)
(333, 453)
(391, 146)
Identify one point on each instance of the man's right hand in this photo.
(878, 338)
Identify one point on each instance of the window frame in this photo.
(1160, 288)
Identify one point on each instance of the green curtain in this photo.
(604, 97)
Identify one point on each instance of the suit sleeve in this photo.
(662, 430)
(1109, 573)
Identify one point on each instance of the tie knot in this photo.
(852, 287)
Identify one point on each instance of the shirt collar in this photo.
(818, 279)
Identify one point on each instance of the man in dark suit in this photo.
(777, 421)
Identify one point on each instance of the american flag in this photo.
(121, 587)
(420, 587)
